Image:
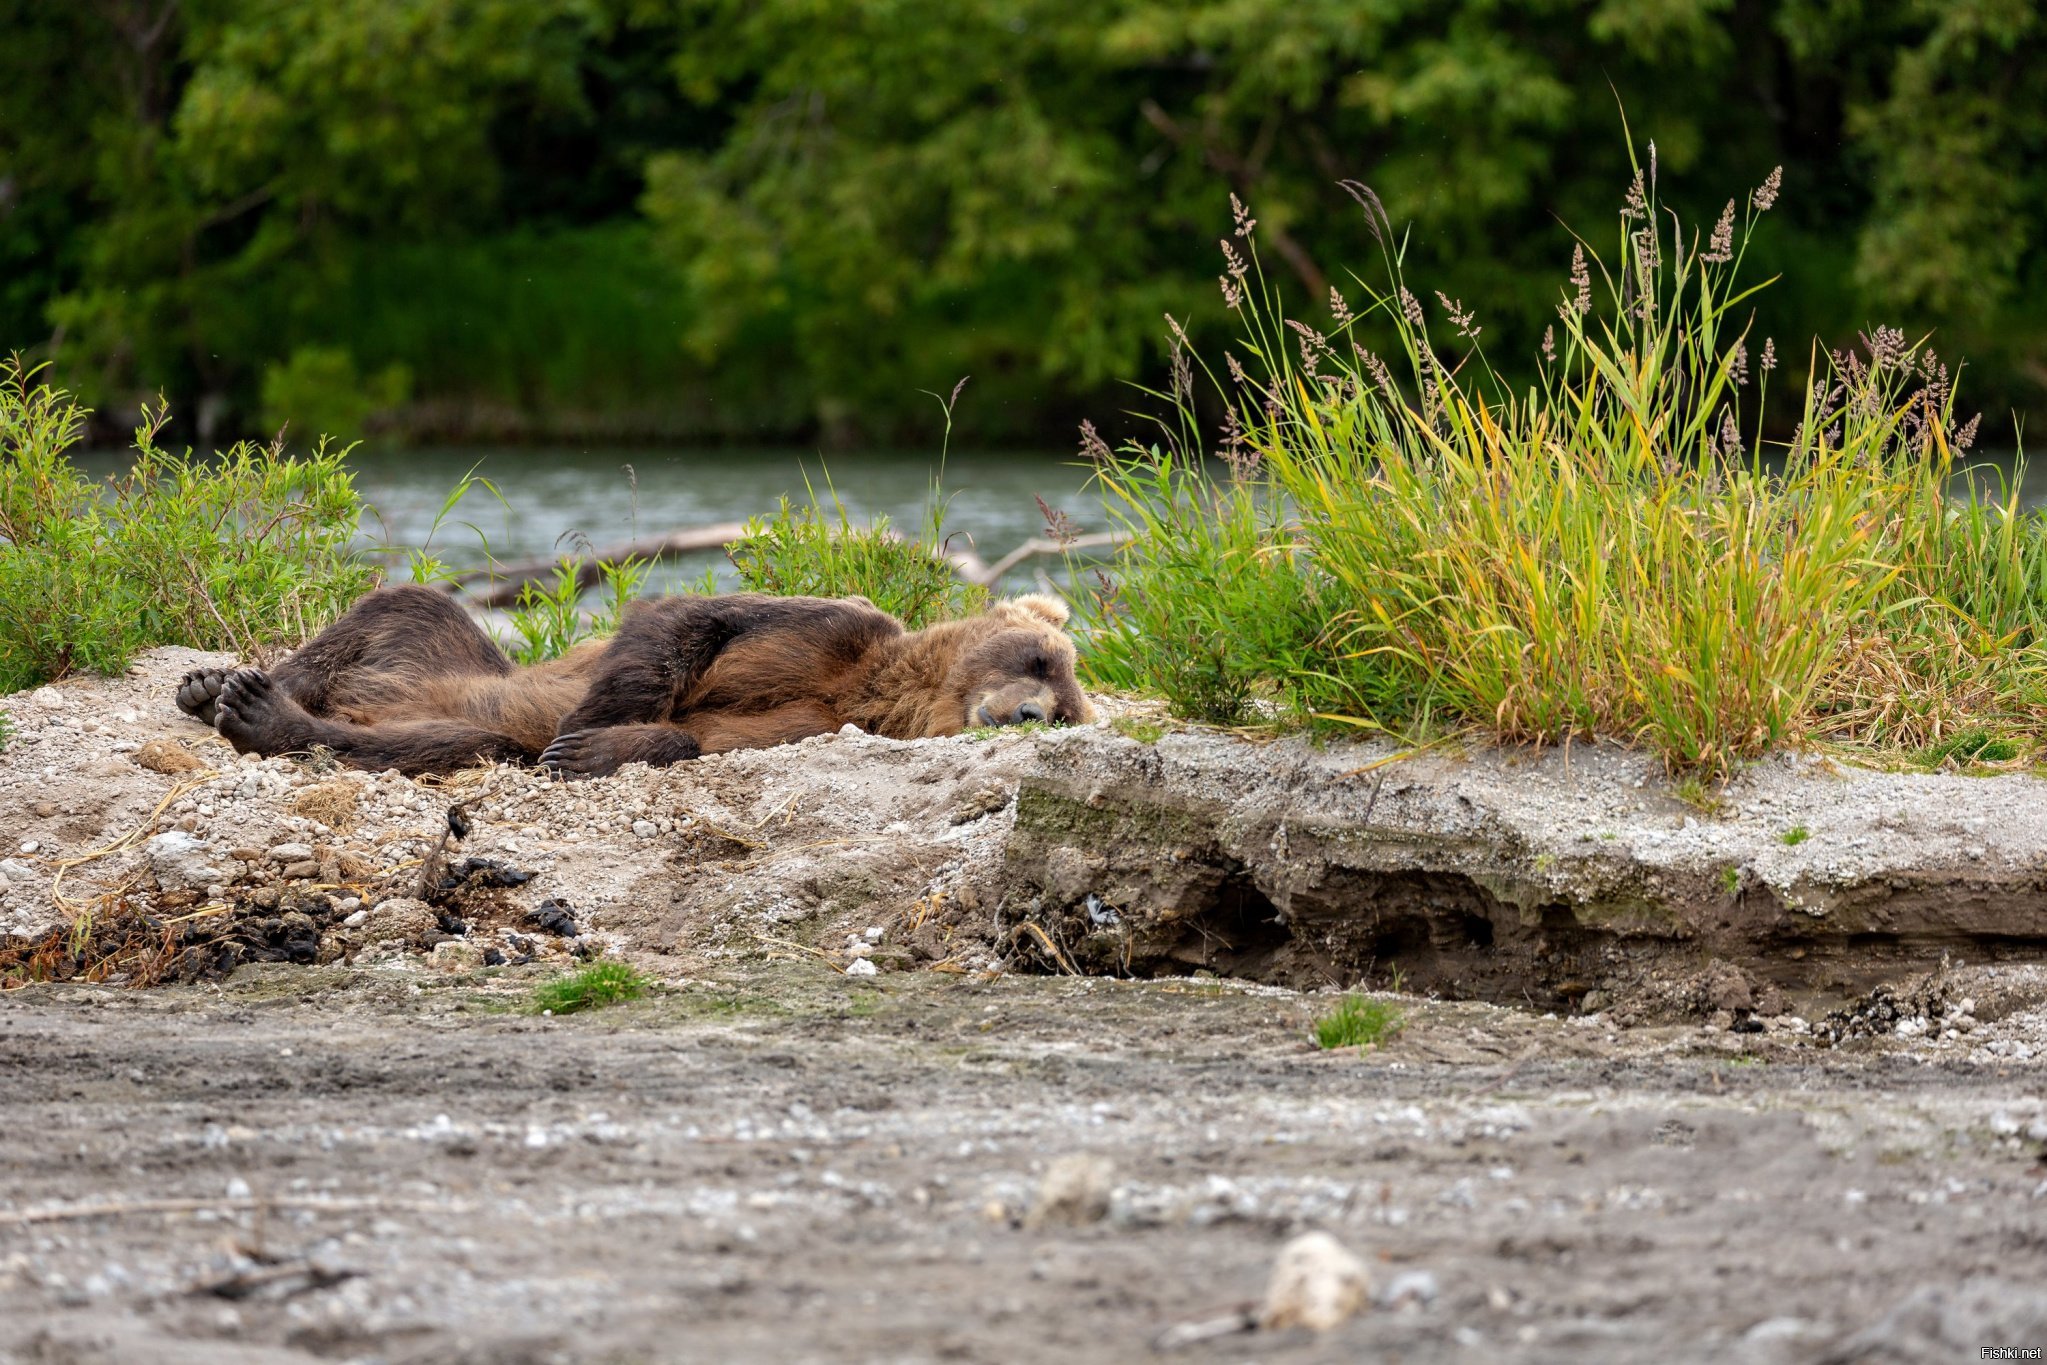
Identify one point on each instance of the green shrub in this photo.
(234, 552)
(1412, 543)
(319, 390)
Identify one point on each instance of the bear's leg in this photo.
(720, 732)
(603, 751)
(396, 636)
(254, 714)
(389, 640)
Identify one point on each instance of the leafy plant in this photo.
(1795, 836)
(547, 617)
(243, 550)
(1411, 542)
(1358, 1022)
(595, 986)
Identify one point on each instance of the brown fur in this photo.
(406, 680)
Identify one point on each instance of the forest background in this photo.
(766, 220)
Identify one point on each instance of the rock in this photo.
(1722, 986)
(31, 845)
(49, 698)
(184, 862)
(1950, 1322)
(1316, 1283)
(644, 828)
(14, 870)
(166, 756)
(302, 871)
(860, 966)
(1409, 1289)
(401, 918)
(291, 853)
(456, 955)
(356, 919)
(1074, 1192)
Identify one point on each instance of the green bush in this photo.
(807, 551)
(1410, 543)
(242, 550)
(319, 390)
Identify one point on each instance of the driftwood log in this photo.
(499, 585)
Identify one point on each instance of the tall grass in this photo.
(245, 549)
(1405, 540)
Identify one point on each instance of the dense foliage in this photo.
(245, 550)
(1409, 541)
(752, 217)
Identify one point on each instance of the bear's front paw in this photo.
(578, 754)
(199, 690)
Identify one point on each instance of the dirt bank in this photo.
(1572, 880)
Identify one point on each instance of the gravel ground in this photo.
(789, 1164)
(839, 1132)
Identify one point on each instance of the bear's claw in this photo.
(199, 690)
(573, 755)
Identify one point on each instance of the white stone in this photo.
(49, 698)
(30, 845)
(290, 853)
(1074, 1192)
(860, 966)
(184, 862)
(1316, 1283)
(644, 828)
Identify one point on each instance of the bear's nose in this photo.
(1029, 711)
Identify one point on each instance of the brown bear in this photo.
(406, 680)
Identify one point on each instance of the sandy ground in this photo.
(789, 1164)
(825, 1136)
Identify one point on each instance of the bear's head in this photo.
(1012, 664)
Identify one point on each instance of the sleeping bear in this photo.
(406, 680)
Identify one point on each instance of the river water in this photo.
(548, 498)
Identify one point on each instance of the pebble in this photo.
(290, 853)
(400, 918)
(30, 845)
(1074, 1192)
(860, 966)
(1316, 1283)
(644, 828)
(49, 698)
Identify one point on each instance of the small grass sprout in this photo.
(600, 984)
(1143, 731)
(1795, 836)
(1358, 1022)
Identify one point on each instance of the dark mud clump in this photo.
(134, 942)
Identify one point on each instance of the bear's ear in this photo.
(1048, 609)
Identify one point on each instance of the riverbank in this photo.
(1791, 1116)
